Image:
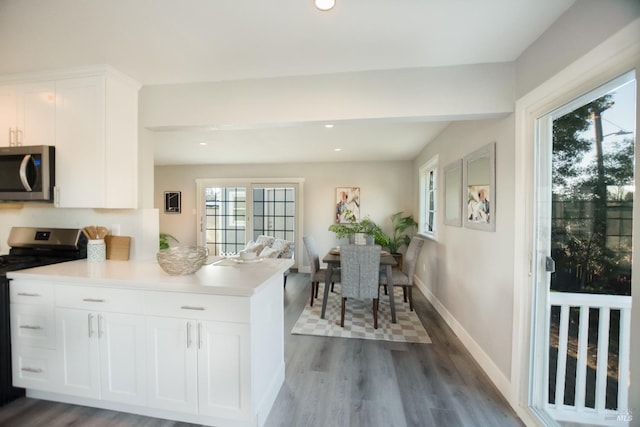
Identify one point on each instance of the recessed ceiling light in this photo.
(328, 125)
(337, 149)
(203, 143)
(325, 4)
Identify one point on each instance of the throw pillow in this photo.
(269, 253)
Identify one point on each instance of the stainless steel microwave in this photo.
(27, 173)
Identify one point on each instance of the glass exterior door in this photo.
(585, 191)
(235, 214)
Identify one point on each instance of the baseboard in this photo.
(495, 374)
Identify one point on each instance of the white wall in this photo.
(140, 224)
(584, 26)
(385, 188)
(469, 271)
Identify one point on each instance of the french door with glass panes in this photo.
(585, 188)
(234, 212)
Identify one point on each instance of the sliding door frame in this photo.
(249, 183)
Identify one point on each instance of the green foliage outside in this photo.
(590, 205)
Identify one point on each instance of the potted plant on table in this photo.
(367, 227)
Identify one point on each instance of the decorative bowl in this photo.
(182, 260)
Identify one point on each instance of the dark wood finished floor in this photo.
(339, 382)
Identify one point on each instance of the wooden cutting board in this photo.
(118, 247)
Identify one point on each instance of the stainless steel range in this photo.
(30, 247)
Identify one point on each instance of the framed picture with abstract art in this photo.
(172, 201)
(347, 205)
(479, 177)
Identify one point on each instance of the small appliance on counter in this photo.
(30, 247)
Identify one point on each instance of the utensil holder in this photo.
(96, 250)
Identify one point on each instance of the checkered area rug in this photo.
(358, 320)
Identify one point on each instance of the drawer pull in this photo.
(190, 307)
(30, 327)
(92, 300)
(33, 370)
(26, 294)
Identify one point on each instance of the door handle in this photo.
(188, 334)
(100, 331)
(90, 322)
(549, 265)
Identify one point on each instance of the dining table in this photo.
(332, 259)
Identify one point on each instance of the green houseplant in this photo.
(165, 239)
(399, 238)
(367, 227)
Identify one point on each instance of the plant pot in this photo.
(399, 259)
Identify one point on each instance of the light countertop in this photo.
(224, 276)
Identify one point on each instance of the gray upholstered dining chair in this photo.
(360, 270)
(317, 274)
(404, 277)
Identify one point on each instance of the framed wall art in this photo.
(172, 201)
(347, 205)
(479, 188)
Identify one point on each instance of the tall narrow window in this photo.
(429, 197)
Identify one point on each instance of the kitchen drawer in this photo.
(198, 306)
(34, 368)
(33, 325)
(31, 292)
(100, 299)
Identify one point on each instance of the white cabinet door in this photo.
(27, 114)
(224, 369)
(78, 352)
(172, 364)
(122, 357)
(8, 115)
(80, 142)
(102, 355)
(37, 114)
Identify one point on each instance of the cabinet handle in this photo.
(90, 320)
(26, 294)
(188, 334)
(100, 330)
(11, 141)
(18, 137)
(31, 327)
(92, 300)
(199, 336)
(190, 307)
(34, 370)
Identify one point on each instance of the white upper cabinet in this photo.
(91, 116)
(96, 142)
(27, 114)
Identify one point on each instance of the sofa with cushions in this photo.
(270, 247)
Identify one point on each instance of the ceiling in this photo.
(168, 42)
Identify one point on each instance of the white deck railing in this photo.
(579, 412)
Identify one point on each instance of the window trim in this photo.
(429, 166)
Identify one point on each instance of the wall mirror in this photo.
(453, 193)
(479, 188)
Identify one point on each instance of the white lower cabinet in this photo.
(199, 366)
(101, 355)
(194, 357)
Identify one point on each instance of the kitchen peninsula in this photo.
(205, 348)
